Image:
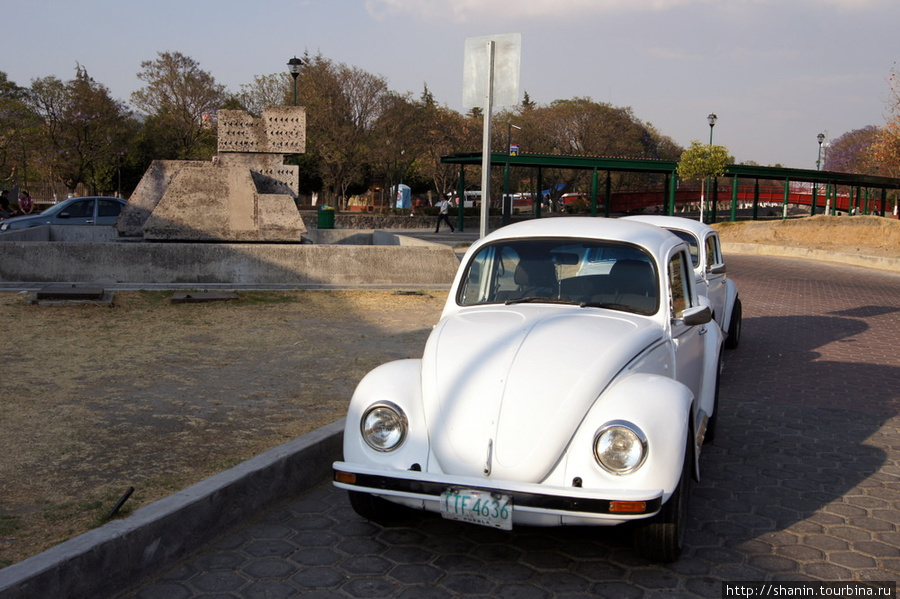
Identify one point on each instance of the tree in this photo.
(446, 132)
(397, 137)
(17, 130)
(343, 105)
(701, 162)
(851, 152)
(83, 131)
(584, 127)
(265, 91)
(182, 100)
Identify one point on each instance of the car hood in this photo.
(23, 222)
(505, 389)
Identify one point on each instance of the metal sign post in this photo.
(486, 143)
(491, 75)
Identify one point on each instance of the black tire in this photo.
(734, 326)
(375, 508)
(661, 538)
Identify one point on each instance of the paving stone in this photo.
(319, 578)
(416, 574)
(468, 584)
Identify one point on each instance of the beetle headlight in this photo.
(384, 426)
(620, 447)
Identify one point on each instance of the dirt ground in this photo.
(852, 235)
(157, 396)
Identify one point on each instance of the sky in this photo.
(775, 72)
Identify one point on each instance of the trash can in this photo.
(326, 218)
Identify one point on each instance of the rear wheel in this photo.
(734, 326)
(661, 538)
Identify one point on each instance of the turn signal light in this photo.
(627, 507)
(347, 478)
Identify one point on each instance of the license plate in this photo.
(477, 507)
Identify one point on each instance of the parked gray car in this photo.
(74, 211)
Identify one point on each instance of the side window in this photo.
(691, 242)
(679, 284)
(713, 254)
(490, 277)
(82, 209)
(109, 208)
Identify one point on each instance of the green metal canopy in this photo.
(830, 179)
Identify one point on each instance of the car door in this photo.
(687, 340)
(108, 211)
(80, 212)
(714, 274)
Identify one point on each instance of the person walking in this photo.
(443, 215)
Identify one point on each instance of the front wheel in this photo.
(734, 326)
(661, 538)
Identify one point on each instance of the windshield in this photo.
(587, 273)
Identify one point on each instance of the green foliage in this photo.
(702, 161)
(83, 130)
(183, 99)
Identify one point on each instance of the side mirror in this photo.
(63, 215)
(696, 316)
(718, 269)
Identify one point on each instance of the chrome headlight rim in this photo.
(632, 429)
(401, 422)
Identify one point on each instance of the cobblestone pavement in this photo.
(803, 482)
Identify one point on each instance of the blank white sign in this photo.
(476, 66)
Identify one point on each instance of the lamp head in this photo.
(294, 65)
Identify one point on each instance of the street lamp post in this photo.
(294, 65)
(711, 119)
(815, 193)
(821, 138)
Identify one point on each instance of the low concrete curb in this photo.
(350, 258)
(112, 558)
(762, 249)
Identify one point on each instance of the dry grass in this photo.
(158, 395)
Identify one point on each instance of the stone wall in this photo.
(350, 220)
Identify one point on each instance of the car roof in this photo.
(651, 237)
(694, 227)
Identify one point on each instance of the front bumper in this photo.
(532, 504)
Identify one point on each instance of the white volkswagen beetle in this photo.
(709, 271)
(548, 394)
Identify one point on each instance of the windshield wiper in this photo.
(611, 306)
(532, 299)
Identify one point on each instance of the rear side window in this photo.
(81, 209)
(109, 208)
(713, 253)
